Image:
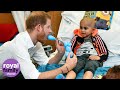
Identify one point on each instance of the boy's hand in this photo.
(94, 57)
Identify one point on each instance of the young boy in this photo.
(89, 48)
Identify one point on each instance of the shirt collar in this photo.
(29, 40)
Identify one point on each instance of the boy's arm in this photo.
(103, 57)
(103, 51)
(73, 41)
(100, 58)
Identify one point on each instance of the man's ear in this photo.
(38, 28)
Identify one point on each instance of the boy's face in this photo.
(86, 29)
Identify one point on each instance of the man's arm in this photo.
(60, 53)
(50, 74)
(56, 59)
(69, 65)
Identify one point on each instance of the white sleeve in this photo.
(27, 68)
(40, 56)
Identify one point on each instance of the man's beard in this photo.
(42, 37)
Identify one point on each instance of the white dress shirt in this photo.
(22, 49)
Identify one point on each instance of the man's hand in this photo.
(70, 64)
(60, 47)
(94, 57)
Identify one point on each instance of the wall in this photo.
(6, 18)
(55, 17)
(8, 28)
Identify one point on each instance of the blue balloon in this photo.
(67, 45)
(66, 54)
(71, 55)
(50, 37)
(68, 49)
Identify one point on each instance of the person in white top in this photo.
(28, 44)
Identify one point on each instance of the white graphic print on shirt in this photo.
(86, 48)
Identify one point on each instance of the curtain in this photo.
(20, 17)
